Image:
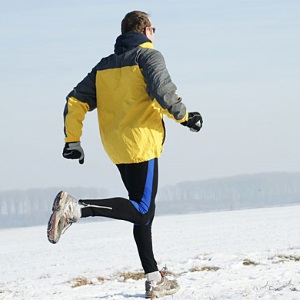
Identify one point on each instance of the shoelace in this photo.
(69, 221)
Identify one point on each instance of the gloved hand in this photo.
(194, 121)
(73, 150)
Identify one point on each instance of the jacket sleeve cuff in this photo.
(185, 118)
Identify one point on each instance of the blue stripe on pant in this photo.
(144, 205)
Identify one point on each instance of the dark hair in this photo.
(135, 21)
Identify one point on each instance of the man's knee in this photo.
(145, 219)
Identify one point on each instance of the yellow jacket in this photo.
(131, 90)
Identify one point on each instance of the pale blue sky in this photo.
(237, 62)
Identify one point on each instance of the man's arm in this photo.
(160, 86)
(79, 101)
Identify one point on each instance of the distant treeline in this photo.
(33, 207)
(237, 192)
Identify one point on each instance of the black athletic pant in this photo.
(140, 180)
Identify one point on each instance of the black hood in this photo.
(129, 41)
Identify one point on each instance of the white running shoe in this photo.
(162, 288)
(66, 211)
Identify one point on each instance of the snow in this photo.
(246, 254)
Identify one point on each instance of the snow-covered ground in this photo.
(247, 254)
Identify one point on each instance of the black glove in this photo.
(194, 121)
(73, 151)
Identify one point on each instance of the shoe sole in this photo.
(160, 294)
(52, 229)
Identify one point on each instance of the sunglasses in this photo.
(153, 29)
